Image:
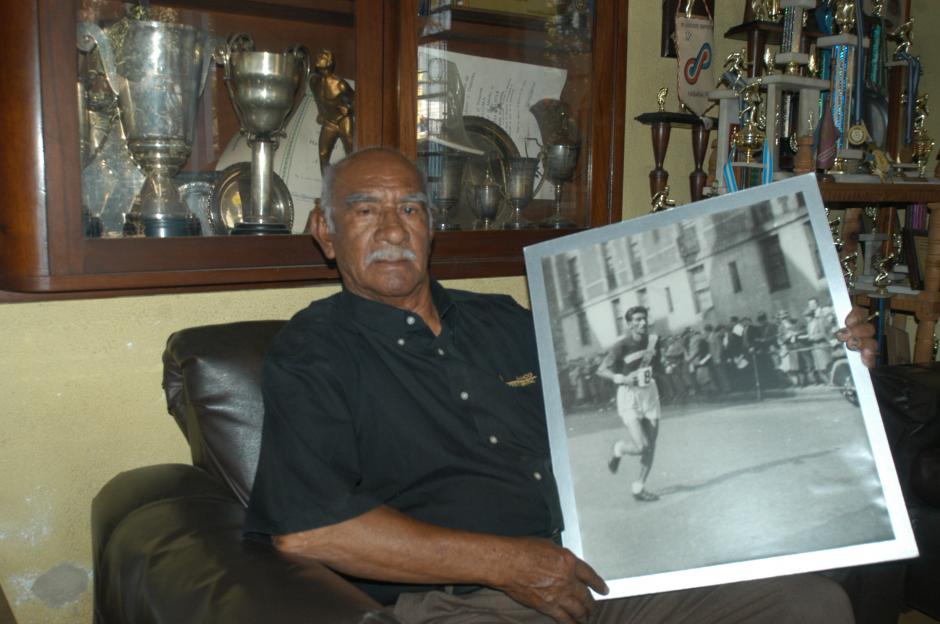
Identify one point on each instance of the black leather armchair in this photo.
(167, 539)
(909, 399)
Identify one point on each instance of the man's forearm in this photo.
(384, 544)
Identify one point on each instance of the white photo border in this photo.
(902, 545)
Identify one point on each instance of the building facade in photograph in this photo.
(739, 263)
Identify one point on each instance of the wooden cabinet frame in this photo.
(42, 246)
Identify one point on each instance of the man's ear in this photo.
(321, 233)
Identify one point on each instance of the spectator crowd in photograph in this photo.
(717, 360)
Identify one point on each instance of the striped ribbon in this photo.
(731, 183)
(767, 175)
(840, 80)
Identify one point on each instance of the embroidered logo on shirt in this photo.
(522, 380)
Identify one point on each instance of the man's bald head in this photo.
(328, 197)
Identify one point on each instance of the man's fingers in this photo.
(592, 579)
(869, 350)
(576, 609)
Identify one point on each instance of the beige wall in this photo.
(80, 380)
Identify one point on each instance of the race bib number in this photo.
(644, 376)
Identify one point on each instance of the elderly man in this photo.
(404, 441)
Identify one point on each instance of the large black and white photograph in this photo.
(706, 424)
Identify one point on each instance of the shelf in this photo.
(276, 260)
(333, 12)
(772, 30)
(892, 193)
(925, 305)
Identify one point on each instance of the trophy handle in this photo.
(503, 182)
(234, 42)
(301, 52)
(89, 36)
(208, 60)
(541, 157)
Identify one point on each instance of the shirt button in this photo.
(494, 440)
(537, 476)
(401, 342)
(464, 395)
(410, 320)
(440, 351)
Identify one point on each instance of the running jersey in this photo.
(631, 354)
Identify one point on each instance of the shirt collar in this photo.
(387, 319)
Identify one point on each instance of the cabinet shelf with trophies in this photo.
(179, 144)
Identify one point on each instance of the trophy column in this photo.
(661, 124)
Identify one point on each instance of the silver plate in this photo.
(498, 148)
(233, 190)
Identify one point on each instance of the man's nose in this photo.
(391, 228)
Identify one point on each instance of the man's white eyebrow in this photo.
(417, 198)
(361, 198)
(367, 198)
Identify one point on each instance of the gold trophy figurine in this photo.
(750, 137)
(661, 98)
(770, 61)
(334, 98)
(660, 201)
(922, 145)
(845, 15)
(902, 37)
(761, 10)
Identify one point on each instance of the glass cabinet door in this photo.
(503, 104)
(177, 144)
(201, 123)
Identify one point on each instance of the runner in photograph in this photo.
(633, 364)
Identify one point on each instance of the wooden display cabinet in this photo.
(43, 247)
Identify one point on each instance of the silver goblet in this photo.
(264, 89)
(559, 161)
(158, 71)
(520, 185)
(487, 198)
(444, 171)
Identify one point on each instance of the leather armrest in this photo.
(168, 548)
(925, 478)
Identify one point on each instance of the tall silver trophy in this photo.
(560, 147)
(560, 161)
(265, 89)
(444, 171)
(158, 71)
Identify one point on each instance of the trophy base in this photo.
(447, 227)
(484, 224)
(518, 225)
(558, 223)
(91, 225)
(166, 227)
(259, 229)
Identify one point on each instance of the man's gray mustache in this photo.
(391, 254)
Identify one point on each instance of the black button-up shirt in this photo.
(365, 406)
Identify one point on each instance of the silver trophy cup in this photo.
(487, 198)
(444, 171)
(158, 71)
(264, 88)
(520, 188)
(559, 161)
